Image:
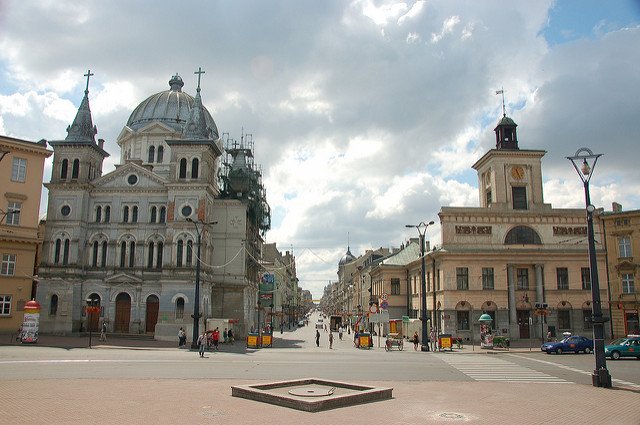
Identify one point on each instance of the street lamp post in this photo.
(422, 228)
(600, 376)
(196, 307)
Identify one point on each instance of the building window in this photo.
(179, 308)
(75, 169)
(53, 305)
(523, 279)
(8, 264)
(585, 277)
(123, 253)
(586, 319)
(125, 214)
(65, 252)
(19, 170)
(150, 255)
(462, 319)
(132, 254)
(160, 154)
(159, 255)
(182, 173)
(627, 283)
(522, 235)
(562, 276)
(152, 154)
(395, 286)
(104, 254)
(5, 305)
(163, 214)
(624, 246)
(564, 319)
(462, 278)
(13, 213)
(487, 278)
(64, 167)
(56, 253)
(189, 253)
(154, 215)
(194, 168)
(134, 214)
(179, 248)
(94, 259)
(98, 214)
(488, 197)
(107, 214)
(519, 195)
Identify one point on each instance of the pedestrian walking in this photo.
(182, 338)
(433, 339)
(202, 343)
(317, 338)
(225, 335)
(230, 336)
(340, 330)
(416, 340)
(216, 338)
(330, 340)
(103, 332)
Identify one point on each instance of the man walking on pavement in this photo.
(330, 340)
(202, 341)
(103, 332)
(317, 338)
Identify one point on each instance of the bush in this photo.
(501, 341)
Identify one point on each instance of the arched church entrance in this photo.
(153, 305)
(123, 313)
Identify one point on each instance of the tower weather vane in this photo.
(504, 110)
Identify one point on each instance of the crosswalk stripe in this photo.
(480, 368)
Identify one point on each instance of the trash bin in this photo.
(445, 341)
(365, 341)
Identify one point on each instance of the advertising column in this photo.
(30, 323)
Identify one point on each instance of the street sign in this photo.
(384, 296)
(384, 304)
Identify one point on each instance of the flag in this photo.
(499, 91)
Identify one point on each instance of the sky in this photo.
(366, 115)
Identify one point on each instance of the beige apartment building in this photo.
(21, 169)
(510, 253)
(622, 242)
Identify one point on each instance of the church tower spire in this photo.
(82, 128)
(506, 136)
(196, 126)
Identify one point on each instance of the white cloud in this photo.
(447, 28)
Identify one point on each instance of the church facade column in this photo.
(514, 330)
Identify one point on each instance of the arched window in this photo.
(132, 254)
(163, 214)
(179, 308)
(182, 173)
(179, 253)
(65, 253)
(152, 153)
(134, 214)
(98, 214)
(53, 305)
(159, 255)
(150, 255)
(64, 167)
(522, 235)
(75, 171)
(94, 256)
(56, 255)
(154, 214)
(107, 214)
(123, 253)
(160, 154)
(194, 168)
(125, 214)
(104, 254)
(189, 253)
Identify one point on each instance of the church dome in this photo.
(348, 257)
(170, 107)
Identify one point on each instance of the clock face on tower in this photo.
(517, 172)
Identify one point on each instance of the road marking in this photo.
(490, 368)
(573, 369)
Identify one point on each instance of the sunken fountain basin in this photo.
(311, 394)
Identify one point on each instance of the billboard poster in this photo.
(31, 322)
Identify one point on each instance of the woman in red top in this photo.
(216, 338)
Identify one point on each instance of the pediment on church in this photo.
(130, 177)
(123, 278)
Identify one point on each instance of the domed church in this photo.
(175, 230)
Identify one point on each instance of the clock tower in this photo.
(510, 178)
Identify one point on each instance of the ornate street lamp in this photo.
(422, 228)
(600, 376)
(196, 307)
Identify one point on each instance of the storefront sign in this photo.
(564, 231)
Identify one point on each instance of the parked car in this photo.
(623, 347)
(571, 343)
